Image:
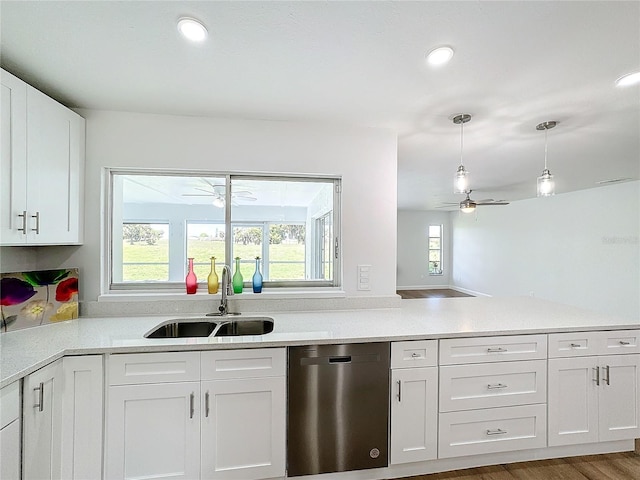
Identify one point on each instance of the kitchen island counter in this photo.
(24, 351)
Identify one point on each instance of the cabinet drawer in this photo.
(620, 342)
(467, 387)
(416, 353)
(574, 344)
(136, 368)
(9, 404)
(492, 430)
(455, 351)
(251, 363)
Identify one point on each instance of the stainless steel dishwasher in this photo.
(338, 408)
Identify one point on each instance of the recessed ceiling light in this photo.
(628, 79)
(192, 29)
(440, 55)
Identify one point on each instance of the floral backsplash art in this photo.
(29, 299)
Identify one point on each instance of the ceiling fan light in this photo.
(218, 202)
(628, 79)
(467, 205)
(461, 180)
(546, 185)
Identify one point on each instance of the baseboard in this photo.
(470, 292)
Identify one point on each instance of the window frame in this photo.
(109, 174)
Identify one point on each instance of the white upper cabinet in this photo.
(42, 168)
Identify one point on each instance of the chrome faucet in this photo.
(227, 289)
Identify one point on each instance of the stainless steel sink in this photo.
(204, 327)
(183, 327)
(245, 326)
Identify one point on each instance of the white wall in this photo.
(363, 157)
(413, 245)
(580, 248)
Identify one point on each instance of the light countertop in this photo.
(24, 351)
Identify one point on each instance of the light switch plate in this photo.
(364, 272)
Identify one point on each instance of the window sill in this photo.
(280, 293)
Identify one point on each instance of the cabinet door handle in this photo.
(24, 222)
(191, 401)
(597, 379)
(606, 379)
(399, 391)
(40, 404)
(496, 350)
(496, 386)
(622, 342)
(37, 217)
(206, 404)
(497, 431)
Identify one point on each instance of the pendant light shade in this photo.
(546, 185)
(461, 179)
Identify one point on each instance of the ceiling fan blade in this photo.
(198, 195)
(492, 203)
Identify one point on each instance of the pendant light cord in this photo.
(461, 141)
(545, 148)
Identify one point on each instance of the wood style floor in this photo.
(617, 466)
(435, 293)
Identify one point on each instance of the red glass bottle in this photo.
(191, 280)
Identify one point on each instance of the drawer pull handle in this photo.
(597, 379)
(575, 345)
(496, 386)
(498, 431)
(414, 355)
(191, 409)
(622, 342)
(606, 379)
(496, 350)
(40, 404)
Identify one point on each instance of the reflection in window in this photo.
(286, 221)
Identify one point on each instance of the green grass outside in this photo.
(202, 251)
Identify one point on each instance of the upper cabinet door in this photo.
(54, 171)
(13, 160)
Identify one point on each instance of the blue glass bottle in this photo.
(257, 278)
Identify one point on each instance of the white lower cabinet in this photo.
(42, 423)
(594, 399)
(414, 402)
(243, 429)
(153, 431)
(62, 420)
(228, 422)
(10, 431)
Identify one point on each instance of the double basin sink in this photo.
(207, 327)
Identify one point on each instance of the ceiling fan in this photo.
(469, 205)
(217, 191)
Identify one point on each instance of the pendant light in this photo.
(546, 185)
(461, 180)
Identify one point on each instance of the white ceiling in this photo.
(516, 64)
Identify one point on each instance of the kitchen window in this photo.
(158, 220)
(435, 250)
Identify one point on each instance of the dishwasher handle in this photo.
(340, 359)
(344, 359)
